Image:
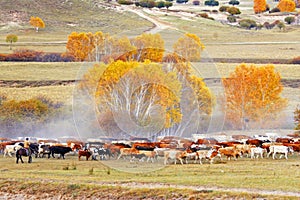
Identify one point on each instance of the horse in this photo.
(23, 152)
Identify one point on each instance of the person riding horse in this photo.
(27, 146)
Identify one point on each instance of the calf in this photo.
(85, 153)
(174, 155)
(258, 151)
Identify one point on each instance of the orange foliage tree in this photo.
(37, 23)
(259, 6)
(286, 5)
(252, 94)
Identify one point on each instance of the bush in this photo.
(274, 10)
(24, 55)
(182, 1)
(211, 3)
(147, 3)
(281, 25)
(289, 20)
(168, 4)
(267, 25)
(125, 2)
(247, 23)
(204, 15)
(160, 4)
(223, 8)
(233, 11)
(231, 19)
(234, 2)
(295, 60)
(196, 2)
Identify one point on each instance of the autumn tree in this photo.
(297, 118)
(259, 6)
(286, 5)
(148, 47)
(142, 93)
(189, 47)
(252, 94)
(11, 38)
(37, 23)
(79, 45)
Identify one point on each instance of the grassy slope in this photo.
(62, 18)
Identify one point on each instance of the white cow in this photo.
(257, 151)
(279, 149)
(174, 155)
(11, 149)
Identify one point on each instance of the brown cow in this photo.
(85, 153)
(284, 140)
(229, 152)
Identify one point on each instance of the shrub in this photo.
(147, 3)
(223, 8)
(196, 2)
(211, 3)
(281, 25)
(168, 4)
(234, 2)
(204, 15)
(289, 20)
(125, 2)
(247, 23)
(295, 60)
(274, 10)
(233, 11)
(182, 1)
(25, 55)
(231, 19)
(267, 25)
(160, 4)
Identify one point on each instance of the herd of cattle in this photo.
(168, 150)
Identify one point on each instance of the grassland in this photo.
(255, 178)
(73, 179)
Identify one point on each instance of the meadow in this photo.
(226, 46)
(241, 179)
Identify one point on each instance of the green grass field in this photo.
(244, 174)
(73, 179)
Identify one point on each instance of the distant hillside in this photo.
(65, 16)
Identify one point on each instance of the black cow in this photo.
(59, 150)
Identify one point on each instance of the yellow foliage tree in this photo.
(259, 6)
(134, 87)
(37, 23)
(138, 89)
(79, 45)
(189, 47)
(286, 5)
(253, 94)
(11, 38)
(148, 47)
